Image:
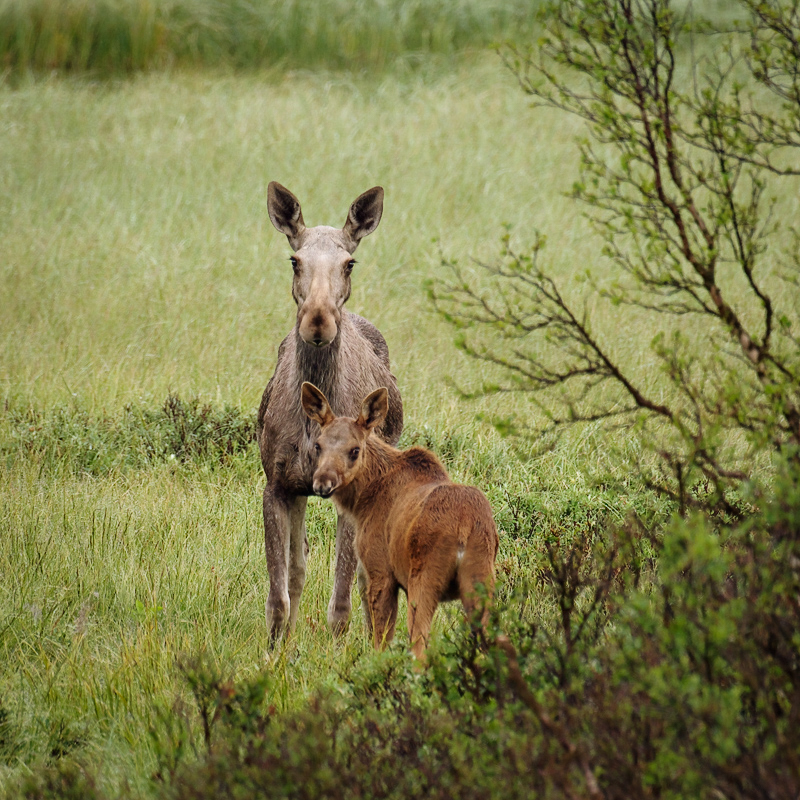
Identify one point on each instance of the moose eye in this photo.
(350, 265)
(293, 262)
(354, 453)
(317, 448)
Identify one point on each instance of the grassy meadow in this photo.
(137, 262)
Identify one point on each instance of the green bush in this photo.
(180, 430)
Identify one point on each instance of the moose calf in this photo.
(415, 528)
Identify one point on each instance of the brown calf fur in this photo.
(339, 351)
(416, 530)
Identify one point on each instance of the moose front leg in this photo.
(276, 545)
(298, 555)
(339, 606)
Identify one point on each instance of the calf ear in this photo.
(364, 214)
(284, 211)
(374, 409)
(315, 404)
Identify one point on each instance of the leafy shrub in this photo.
(179, 430)
(686, 138)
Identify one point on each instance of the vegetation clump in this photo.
(180, 430)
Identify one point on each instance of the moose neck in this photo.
(319, 365)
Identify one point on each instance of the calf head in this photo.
(323, 259)
(341, 444)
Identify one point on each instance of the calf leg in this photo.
(362, 590)
(339, 606)
(421, 606)
(276, 545)
(382, 595)
(477, 568)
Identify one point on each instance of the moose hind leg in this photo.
(339, 606)
(422, 604)
(276, 545)
(382, 595)
(361, 579)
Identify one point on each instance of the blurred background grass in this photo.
(128, 35)
(138, 257)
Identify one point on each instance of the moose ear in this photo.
(315, 404)
(284, 211)
(364, 214)
(374, 409)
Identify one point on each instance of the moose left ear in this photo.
(285, 213)
(364, 215)
(374, 409)
(315, 404)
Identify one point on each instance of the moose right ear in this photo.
(364, 215)
(315, 404)
(284, 211)
(374, 409)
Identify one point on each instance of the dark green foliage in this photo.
(8, 737)
(180, 430)
(66, 781)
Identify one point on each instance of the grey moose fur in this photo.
(346, 357)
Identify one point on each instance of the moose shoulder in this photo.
(334, 349)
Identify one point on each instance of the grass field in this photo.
(138, 261)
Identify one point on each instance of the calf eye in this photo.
(354, 453)
(293, 262)
(317, 448)
(350, 265)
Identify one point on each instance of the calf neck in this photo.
(337, 350)
(416, 530)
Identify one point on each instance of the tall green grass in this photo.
(112, 36)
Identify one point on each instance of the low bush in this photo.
(179, 430)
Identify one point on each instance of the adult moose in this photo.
(343, 354)
(415, 529)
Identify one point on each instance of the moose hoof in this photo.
(276, 618)
(338, 617)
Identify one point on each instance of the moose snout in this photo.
(325, 485)
(318, 325)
